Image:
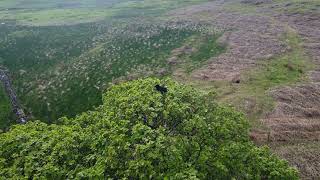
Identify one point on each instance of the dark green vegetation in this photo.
(206, 48)
(138, 133)
(31, 53)
(5, 109)
(63, 55)
(63, 70)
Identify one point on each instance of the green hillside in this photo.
(140, 133)
(93, 80)
(62, 70)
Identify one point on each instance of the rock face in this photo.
(4, 78)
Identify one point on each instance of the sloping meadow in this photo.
(63, 70)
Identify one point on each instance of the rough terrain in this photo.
(253, 34)
(297, 114)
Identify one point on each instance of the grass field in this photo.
(62, 55)
(286, 69)
(281, 6)
(300, 6)
(252, 96)
(45, 12)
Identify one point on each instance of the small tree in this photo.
(140, 133)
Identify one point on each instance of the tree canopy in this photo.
(140, 133)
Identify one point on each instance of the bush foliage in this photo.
(139, 133)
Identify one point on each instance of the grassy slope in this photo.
(206, 48)
(80, 88)
(283, 70)
(286, 69)
(281, 6)
(299, 6)
(55, 46)
(43, 13)
(62, 70)
(252, 94)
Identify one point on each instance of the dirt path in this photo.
(253, 34)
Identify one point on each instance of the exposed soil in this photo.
(293, 126)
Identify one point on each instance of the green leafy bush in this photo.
(139, 133)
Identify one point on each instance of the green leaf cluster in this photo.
(139, 133)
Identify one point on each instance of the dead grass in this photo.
(251, 93)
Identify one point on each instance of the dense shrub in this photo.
(140, 133)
